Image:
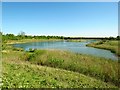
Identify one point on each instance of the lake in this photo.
(76, 47)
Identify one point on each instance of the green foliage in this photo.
(118, 37)
(18, 49)
(111, 38)
(85, 64)
(3, 46)
(111, 45)
(55, 62)
(32, 50)
(26, 56)
(22, 36)
(17, 74)
(8, 37)
(39, 73)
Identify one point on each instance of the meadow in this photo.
(56, 69)
(69, 45)
(20, 74)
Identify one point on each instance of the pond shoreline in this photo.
(31, 40)
(102, 45)
(76, 47)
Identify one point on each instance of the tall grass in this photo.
(20, 74)
(100, 68)
(111, 45)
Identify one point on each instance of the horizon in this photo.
(68, 19)
(59, 35)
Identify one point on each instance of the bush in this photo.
(26, 57)
(54, 62)
(18, 49)
(32, 50)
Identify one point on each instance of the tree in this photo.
(21, 35)
(111, 38)
(118, 37)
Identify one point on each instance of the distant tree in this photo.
(111, 38)
(21, 35)
(10, 36)
(61, 37)
(118, 37)
(0, 33)
(48, 37)
(0, 37)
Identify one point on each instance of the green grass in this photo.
(29, 40)
(111, 45)
(56, 69)
(22, 74)
(99, 68)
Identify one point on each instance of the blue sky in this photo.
(89, 19)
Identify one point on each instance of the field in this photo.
(56, 69)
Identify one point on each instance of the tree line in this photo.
(22, 35)
(102, 38)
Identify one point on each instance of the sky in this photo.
(75, 19)
(60, 0)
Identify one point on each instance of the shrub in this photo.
(55, 62)
(18, 49)
(32, 50)
(26, 57)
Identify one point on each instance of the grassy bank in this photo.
(111, 45)
(56, 69)
(30, 40)
(100, 68)
(76, 40)
(19, 73)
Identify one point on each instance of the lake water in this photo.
(77, 47)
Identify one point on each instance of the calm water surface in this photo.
(77, 47)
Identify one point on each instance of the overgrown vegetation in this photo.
(22, 36)
(19, 73)
(100, 68)
(111, 45)
(57, 69)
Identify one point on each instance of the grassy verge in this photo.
(111, 45)
(22, 74)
